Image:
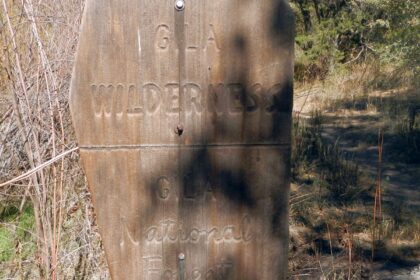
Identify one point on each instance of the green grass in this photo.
(16, 228)
(6, 245)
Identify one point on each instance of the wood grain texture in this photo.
(216, 190)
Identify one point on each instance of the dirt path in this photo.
(354, 125)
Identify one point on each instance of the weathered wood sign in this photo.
(182, 112)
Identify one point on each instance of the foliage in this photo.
(331, 33)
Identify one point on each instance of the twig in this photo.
(6, 115)
(357, 57)
(39, 167)
(331, 250)
(378, 192)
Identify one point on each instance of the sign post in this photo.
(182, 111)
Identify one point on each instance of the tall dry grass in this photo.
(38, 41)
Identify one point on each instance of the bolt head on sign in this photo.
(179, 5)
(182, 111)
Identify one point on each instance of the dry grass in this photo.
(353, 206)
(38, 41)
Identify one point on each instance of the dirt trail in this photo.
(354, 126)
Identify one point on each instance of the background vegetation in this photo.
(355, 191)
(355, 158)
(331, 34)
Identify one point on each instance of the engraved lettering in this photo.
(272, 103)
(102, 99)
(172, 227)
(224, 267)
(163, 188)
(172, 232)
(246, 229)
(152, 97)
(153, 266)
(135, 101)
(172, 98)
(213, 233)
(195, 235)
(107, 92)
(220, 271)
(209, 194)
(193, 98)
(151, 234)
(228, 233)
(126, 233)
(120, 100)
(252, 98)
(162, 37)
(216, 94)
(154, 270)
(210, 275)
(196, 274)
(211, 38)
(236, 98)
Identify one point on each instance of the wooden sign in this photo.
(182, 112)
